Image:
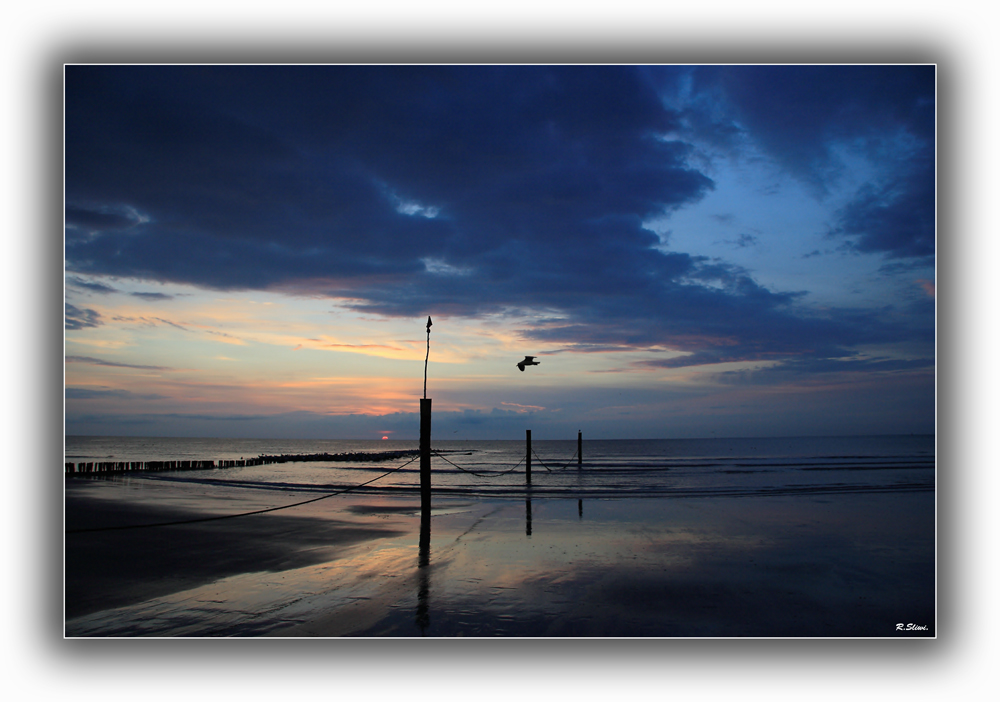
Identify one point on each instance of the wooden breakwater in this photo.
(104, 467)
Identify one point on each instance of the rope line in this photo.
(549, 469)
(488, 474)
(492, 474)
(242, 514)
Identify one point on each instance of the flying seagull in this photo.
(528, 361)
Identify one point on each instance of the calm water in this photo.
(611, 468)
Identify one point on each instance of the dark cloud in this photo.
(90, 285)
(150, 322)
(895, 218)
(77, 318)
(115, 364)
(794, 369)
(97, 394)
(100, 218)
(251, 178)
(463, 190)
(152, 297)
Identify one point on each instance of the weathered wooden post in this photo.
(425, 453)
(425, 434)
(579, 450)
(424, 553)
(527, 457)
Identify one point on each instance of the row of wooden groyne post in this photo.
(137, 466)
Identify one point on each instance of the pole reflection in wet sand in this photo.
(423, 618)
(527, 515)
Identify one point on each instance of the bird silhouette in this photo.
(528, 361)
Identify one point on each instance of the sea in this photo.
(607, 469)
(772, 537)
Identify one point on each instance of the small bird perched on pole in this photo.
(528, 361)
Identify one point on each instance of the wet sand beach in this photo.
(832, 565)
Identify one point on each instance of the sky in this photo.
(689, 251)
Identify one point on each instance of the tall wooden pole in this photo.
(425, 434)
(427, 357)
(579, 450)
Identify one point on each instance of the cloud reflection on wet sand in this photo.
(842, 565)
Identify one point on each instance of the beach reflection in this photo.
(527, 515)
(702, 567)
(423, 569)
